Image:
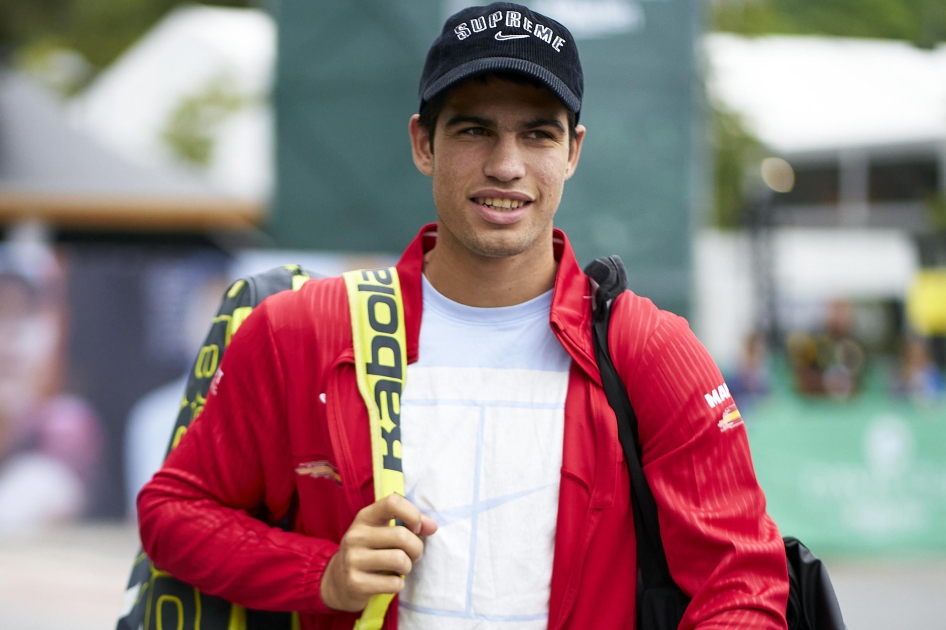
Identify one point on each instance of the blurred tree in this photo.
(922, 22)
(736, 156)
(99, 30)
(192, 128)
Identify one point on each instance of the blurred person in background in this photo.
(829, 363)
(750, 381)
(50, 442)
(918, 377)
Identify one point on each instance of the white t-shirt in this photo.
(482, 420)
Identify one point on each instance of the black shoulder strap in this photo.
(611, 278)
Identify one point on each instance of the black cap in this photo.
(508, 37)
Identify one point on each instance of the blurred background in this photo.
(773, 170)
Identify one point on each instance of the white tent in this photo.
(54, 174)
(808, 94)
(129, 105)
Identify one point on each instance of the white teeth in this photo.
(500, 203)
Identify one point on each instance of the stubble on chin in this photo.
(496, 243)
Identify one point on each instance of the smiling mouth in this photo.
(499, 203)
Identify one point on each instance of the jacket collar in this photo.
(570, 316)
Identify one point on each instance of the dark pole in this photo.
(761, 233)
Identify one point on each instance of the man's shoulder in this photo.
(318, 309)
(639, 330)
(638, 315)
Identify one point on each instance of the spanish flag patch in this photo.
(731, 419)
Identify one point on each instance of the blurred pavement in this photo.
(903, 594)
(74, 578)
(71, 578)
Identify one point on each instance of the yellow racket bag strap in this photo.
(377, 326)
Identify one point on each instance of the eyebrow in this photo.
(488, 122)
(543, 122)
(470, 120)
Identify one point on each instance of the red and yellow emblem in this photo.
(731, 419)
(319, 470)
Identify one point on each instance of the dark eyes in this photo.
(538, 134)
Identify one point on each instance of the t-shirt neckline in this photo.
(531, 309)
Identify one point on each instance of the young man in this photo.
(517, 511)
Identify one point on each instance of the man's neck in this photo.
(469, 278)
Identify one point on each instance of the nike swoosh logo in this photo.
(463, 512)
(501, 38)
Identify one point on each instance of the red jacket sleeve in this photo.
(722, 547)
(200, 515)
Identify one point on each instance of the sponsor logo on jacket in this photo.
(717, 396)
(319, 469)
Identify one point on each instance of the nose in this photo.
(505, 161)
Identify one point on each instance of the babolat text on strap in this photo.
(377, 325)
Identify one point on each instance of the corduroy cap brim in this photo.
(491, 64)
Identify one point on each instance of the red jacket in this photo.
(284, 422)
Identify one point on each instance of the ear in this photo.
(420, 146)
(574, 151)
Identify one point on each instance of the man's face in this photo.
(500, 160)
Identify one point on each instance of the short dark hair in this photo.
(430, 111)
